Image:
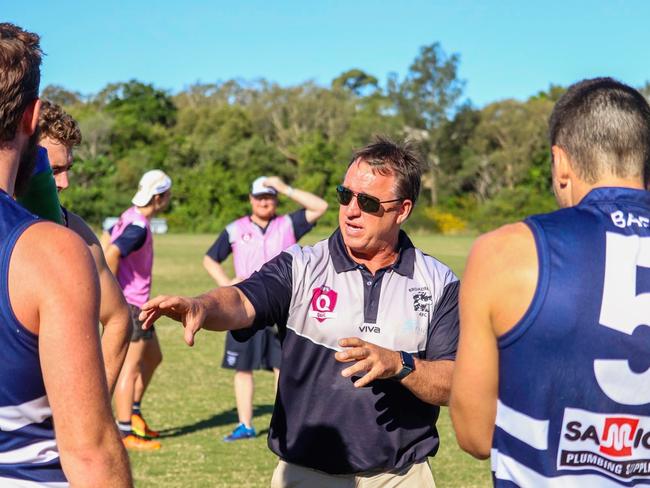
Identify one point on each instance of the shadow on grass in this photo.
(224, 418)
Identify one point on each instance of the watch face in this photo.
(408, 365)
(407, 360)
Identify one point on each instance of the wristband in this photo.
(290, 190)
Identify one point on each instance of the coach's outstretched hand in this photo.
(224, 308)
(191, 312)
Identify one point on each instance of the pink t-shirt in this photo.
(251, 247)
(135, 270)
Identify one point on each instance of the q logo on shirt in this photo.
(323, 302)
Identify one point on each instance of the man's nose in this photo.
(352, 209)
(62, 181)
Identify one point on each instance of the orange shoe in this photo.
(136, 443)
(140, 427)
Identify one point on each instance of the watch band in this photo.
(408, 366)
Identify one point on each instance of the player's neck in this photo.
(580, 189)
(377, 259)
(147, 212)
(259, 221)
(9, 161)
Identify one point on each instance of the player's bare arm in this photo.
(218, 274)
(488, 309)
(220, 309)
(112, 255)
(113, 311)
(430, 381)
(55, 294)
(314, 206)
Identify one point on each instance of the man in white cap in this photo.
(253, 240)
(129, 254)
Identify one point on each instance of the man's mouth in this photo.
(353, 229)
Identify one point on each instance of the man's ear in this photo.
(404, 211)
(29, 121)
(561, 166)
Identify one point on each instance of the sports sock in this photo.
(124, 427)
(135, 410)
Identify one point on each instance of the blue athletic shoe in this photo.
(241, 432)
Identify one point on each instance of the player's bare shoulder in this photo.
(83, 230)
(51, 245)
(503, 242)
(49, 262)
(508, 256)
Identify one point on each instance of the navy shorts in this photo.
(262, 351)
(137, 333)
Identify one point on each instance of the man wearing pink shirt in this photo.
(129, 255)
(253, 240)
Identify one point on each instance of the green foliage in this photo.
(486, 166)
(512, 205)
(356, 81)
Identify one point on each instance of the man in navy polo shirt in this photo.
(369, 325)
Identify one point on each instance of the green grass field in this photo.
(191, 400)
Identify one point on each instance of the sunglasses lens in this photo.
(367, 203)
(344, 195)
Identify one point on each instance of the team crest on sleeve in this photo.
(323, 303)
(614, 444)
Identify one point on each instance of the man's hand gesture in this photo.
(276, 183)
(378, 362)
(191, 312)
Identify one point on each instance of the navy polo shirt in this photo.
(318, 295)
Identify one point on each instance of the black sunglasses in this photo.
(367, 203)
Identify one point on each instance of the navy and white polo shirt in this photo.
(318, 295)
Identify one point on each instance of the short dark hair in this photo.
(20, 76)
(57, 124)
(400, 159)
(604, 127)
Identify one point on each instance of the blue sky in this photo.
(508, 49)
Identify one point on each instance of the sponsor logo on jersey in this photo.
(615, 444)
(246, 237)
(323, 303)
(370, 328)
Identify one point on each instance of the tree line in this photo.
(486, 165)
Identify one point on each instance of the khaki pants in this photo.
(287, 475)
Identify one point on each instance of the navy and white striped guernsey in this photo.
(28, 453)
(574, 376)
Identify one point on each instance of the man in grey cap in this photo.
(253, 240)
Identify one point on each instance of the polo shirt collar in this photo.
(343, 262)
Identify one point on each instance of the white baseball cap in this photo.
(259, 189)
(152, 183)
